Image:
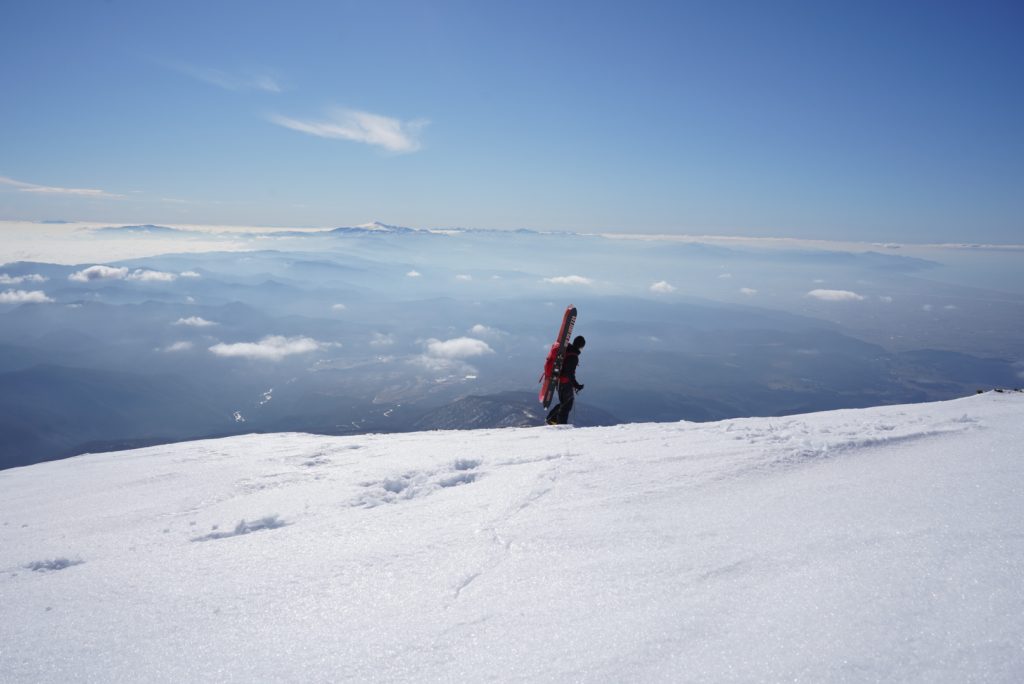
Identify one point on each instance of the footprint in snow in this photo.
(52, 565)
(416, 484)
(270, 522)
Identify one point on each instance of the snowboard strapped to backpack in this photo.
(556, 355)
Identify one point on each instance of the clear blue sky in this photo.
(872, 120)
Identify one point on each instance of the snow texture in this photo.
(878, 544)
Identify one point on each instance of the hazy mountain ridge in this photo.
(371, 332)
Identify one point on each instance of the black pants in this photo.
(566, 394)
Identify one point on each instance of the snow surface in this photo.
(880, 544)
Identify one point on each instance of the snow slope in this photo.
(880, 544)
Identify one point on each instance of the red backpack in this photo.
(549, 363)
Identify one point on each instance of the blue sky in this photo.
(871, 120)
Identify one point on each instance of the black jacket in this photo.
(569, 363)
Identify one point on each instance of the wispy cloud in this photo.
(835, 295)
(22, 186)
(748, 291)
(228, 80)
(270, 348)
(23, 297)
(487, 331)
(392, 134)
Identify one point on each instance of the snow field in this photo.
(858, 545)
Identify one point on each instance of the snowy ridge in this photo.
(855, 545)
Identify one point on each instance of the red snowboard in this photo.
(553, 363)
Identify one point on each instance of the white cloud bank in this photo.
(662, 287)
(392, 134)
(270, 348)
(100, 272)
(22, 186)
(18, 280)
(92, 273)
(835, 295)
(458, 348)
(195, 322)
(23, 297)
(147, 276)
(569, 280)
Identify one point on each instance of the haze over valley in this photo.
(198, 332)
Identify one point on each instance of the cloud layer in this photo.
(392, 134)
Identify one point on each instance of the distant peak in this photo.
(380, 225)
(375, 227)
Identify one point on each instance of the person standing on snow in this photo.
(567, 384)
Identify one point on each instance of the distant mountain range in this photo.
(147, 229)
